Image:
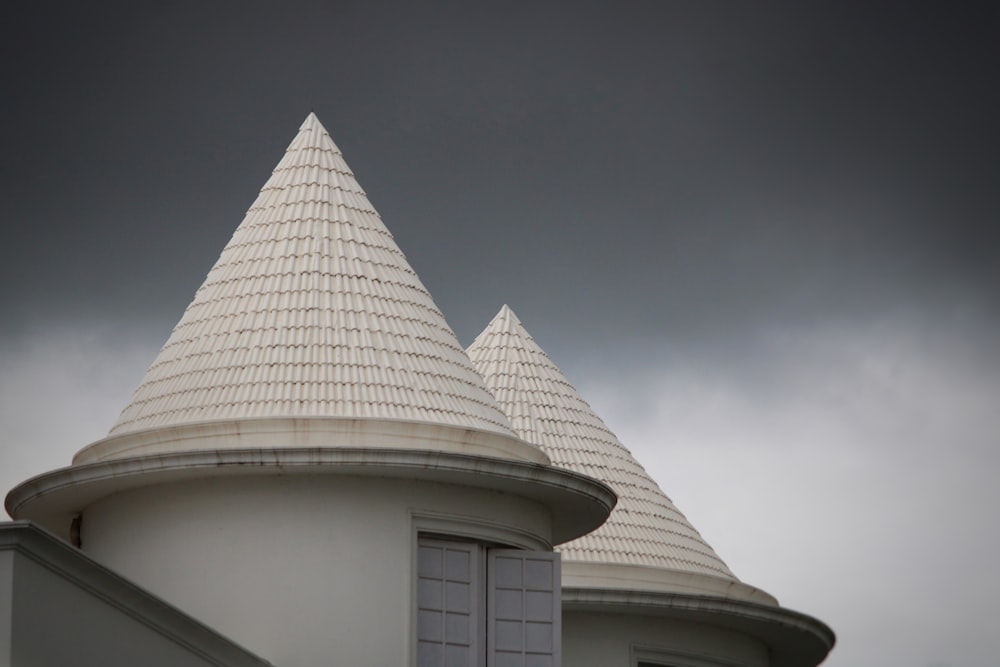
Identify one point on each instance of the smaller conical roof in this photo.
(645, 529)
(312, 311)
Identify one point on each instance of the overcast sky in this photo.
(761, 240)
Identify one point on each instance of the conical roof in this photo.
(312, 311)
(645, 529)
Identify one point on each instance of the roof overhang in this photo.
(631, 577)
(793, 639)
(319, 431)
(577, 504)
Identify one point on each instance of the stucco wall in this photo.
(298, 569)
(6, 605)
(57, 607)
(58, 623)
(615, 640)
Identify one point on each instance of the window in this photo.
(481, 606)
(448, 613)
(662, 656)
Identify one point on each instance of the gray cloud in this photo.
(850, 480)
(62, 388)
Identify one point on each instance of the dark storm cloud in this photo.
(732, 164)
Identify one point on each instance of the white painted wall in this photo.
(299, 569)
(6, 606)
(606, 639)
(58, 607)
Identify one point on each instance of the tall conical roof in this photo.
(645, 529)
(312, 311)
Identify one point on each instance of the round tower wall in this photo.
(595, 639)
(299, 568)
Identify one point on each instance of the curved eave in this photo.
(310, 432)
(577, 504)
(792, 639)
(625, 576)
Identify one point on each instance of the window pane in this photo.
(429, 593)
(458, 629)
(508, 572)
(509, 659)
(539, 606)
(457, 656)
(538, 574)
(538, 637)
(508, 604)
(429, 626)
(457, 565)
(457, 596)
(429, 654)
(508, 636)
(429, 562)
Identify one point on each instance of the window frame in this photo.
(527, 615)
(476, 602)
(648, 655)
(486, 536)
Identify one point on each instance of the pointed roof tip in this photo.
(312, 121)
(506, 319)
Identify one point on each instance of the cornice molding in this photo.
(577, 503)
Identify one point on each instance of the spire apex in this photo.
(312, 122)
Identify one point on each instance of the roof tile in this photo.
(312, 310)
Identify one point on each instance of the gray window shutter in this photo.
(524, 624)
(447, 604)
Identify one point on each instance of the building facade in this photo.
(315, 470)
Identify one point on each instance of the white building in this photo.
(313, 471)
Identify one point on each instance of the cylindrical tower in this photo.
(309, 440)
